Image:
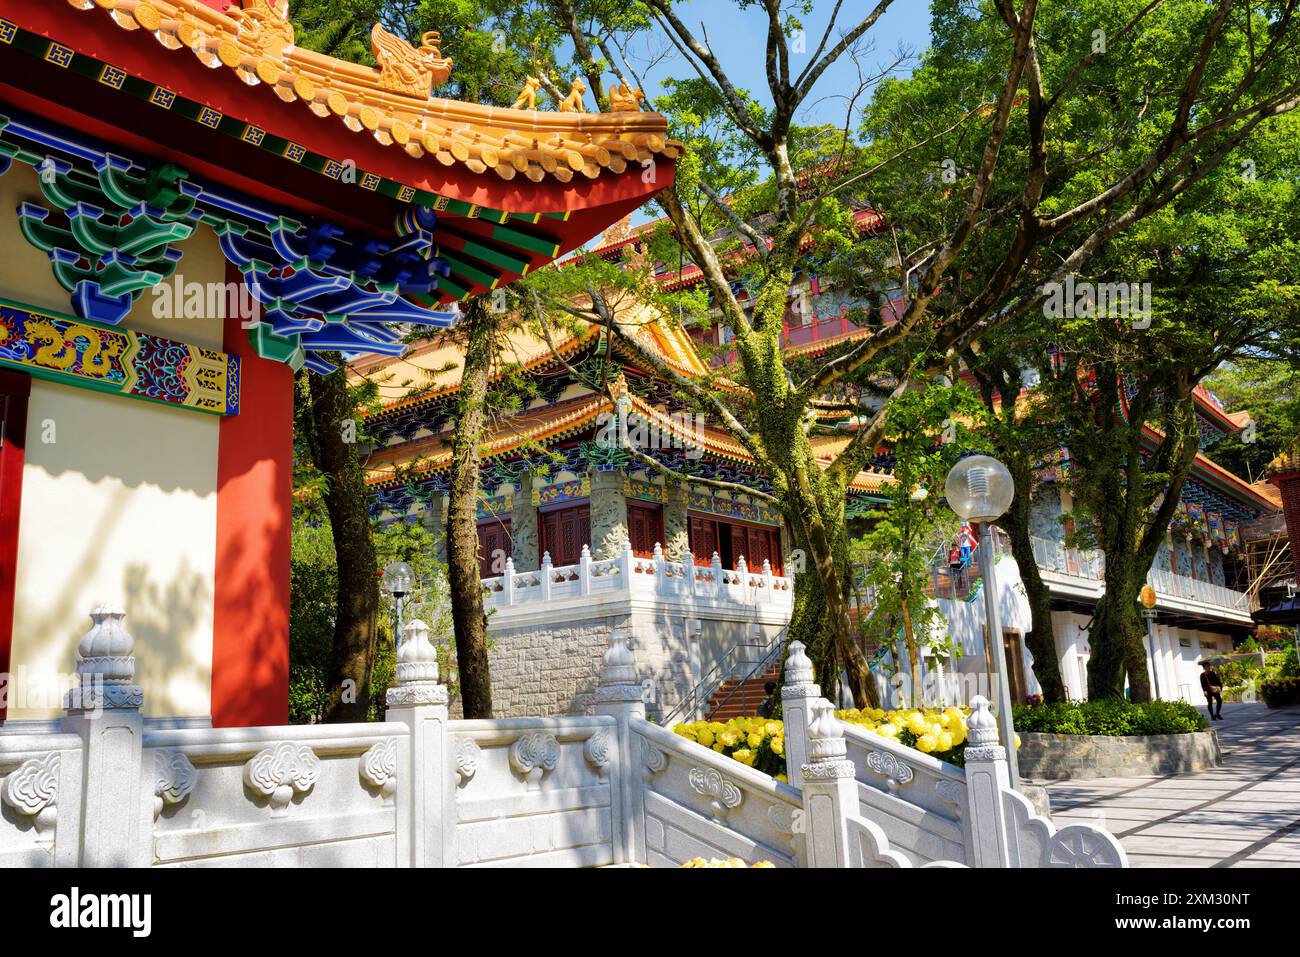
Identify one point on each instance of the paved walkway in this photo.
(1243, 814)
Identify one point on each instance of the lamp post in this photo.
(979, 489)
(1147, 599)
(399, 578)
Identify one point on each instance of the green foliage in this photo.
(1110, 718)
(1269, 389)
(314, 591)
(1281, 692)
(929, 430)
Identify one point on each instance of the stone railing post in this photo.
(830, 793)
(987, 776)
(716, 568)
(104, 710)
(688, 560)
(625, 562)
(508, 583)
(548, 576)
(798, 695)
(618, 695)
(426, 800)
(584, 571)
(769, 584)
(658, 557)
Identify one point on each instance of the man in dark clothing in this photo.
(1212, 685)
(769, 703)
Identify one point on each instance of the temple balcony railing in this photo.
(631, 576)
(1084, 569)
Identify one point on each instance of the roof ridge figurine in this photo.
(404, 69)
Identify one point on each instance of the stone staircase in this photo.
(740, 697)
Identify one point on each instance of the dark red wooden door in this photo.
(494, 547)
(645, 527)
(564, 532)
(704, 538)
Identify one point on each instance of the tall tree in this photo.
(327, 414)
(494, 46)
(1029, 138)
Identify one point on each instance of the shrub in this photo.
(1281, 691)
(1110, 718)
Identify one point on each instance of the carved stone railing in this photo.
(303, 796)
(698, 803)
(635, 576)
(419, 790)
(540, 791)
(931, 813)
(919, 801)
(40, 791)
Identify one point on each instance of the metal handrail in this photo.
(723, 669)
(773, 651)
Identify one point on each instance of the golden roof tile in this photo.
(393, 101)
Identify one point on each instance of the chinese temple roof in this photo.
(551, 424)
(220, 89)
(1287, 461)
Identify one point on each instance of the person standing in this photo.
(1212, 685)
(769, 701)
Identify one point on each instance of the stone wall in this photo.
(547, 669)
(1060, 757)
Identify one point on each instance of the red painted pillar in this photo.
(1287, 479)
(250, 640)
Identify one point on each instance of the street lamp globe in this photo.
(398, 579)
(979, 489)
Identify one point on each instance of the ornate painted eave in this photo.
(122, 71)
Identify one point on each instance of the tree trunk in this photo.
(832, 627)
(1121, 651)
(1042, 637)
(470, 622)
(347, 695)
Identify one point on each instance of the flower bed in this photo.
(1101, 739)
(939, 732)
(759, 743)
(1281, 692)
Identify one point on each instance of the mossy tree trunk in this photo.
(331, 422)
(470, 621)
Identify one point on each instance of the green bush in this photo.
(1280, 692)
(1110, 718)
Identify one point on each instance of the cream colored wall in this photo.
(119, 503)
(121, 506)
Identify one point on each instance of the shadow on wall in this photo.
(170, 650)
(121, 439)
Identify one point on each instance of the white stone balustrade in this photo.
(653, 577)
(421, 790)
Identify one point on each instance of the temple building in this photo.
(576, 536)
(193, 209)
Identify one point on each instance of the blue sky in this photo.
(738, 38)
